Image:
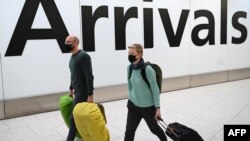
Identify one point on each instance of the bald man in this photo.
(81, 78)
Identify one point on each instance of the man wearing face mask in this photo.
(81, 78)
(143, 101)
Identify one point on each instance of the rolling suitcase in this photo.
(180, 132)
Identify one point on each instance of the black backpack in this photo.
(158, 73)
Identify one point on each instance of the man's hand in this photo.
(157, 113)
(71, 92)
(91, 99)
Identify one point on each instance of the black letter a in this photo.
(23, 31)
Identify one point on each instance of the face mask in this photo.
(132, 58)
(69, 47)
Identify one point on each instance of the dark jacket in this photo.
(82, 78)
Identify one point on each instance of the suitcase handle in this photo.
(165, 126)
(162, 123)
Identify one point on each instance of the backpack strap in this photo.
(130, 71)
(143, 74)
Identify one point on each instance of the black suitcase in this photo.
(179, 132)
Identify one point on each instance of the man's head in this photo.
(72, 42)
(135, 52)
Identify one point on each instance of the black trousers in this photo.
(80, 96)
(135, 114)
(72, 129)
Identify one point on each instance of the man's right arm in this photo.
(86, 66)
(71, 90)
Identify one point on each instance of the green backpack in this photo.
(158, 73)
(66, 108)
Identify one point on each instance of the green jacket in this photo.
(138, 91)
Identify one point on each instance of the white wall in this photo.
(239, 55)
(1, 84)
(109, 65)
(208, 58)
(220, 57)
(173, 60)
(43, 69)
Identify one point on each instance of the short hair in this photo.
(138, 47)
(75, 39)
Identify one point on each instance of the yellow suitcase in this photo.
(90, 122)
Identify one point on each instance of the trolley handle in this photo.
(165, 126)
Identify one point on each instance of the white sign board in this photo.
(183, 36)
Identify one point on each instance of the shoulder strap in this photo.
(143, 73)
(101, 107)
(130, 71)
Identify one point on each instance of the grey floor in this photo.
(205, 109)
